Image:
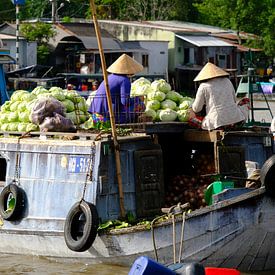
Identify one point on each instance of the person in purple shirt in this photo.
(120, 88)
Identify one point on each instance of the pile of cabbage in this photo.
(15, 114)
(162, 103)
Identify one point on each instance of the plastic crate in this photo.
(215, 188)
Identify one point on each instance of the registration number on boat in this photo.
(78, 164)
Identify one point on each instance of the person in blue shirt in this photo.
(120, 87)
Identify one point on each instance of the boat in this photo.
(65, 187)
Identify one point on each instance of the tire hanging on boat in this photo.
(81, 226)
(268, 176)
(12, 202)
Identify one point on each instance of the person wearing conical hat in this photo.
(216, 96)
(120, 87)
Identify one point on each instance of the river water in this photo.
(32, 265)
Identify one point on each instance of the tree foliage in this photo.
(41, 33)
(251, 16)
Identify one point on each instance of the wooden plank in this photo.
(263, 250)
(242, 247)
(228, 250)
(258, 238)
(270, 262)
(194, 135)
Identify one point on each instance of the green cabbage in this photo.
(140, 89)
(151, 113)
(12, 117)
(17, 95)
(156, 95)
(76, 117)
(185, 105)
(168, 104)
(73, 96)
(153, 104)
(183, 115)
(4, 127)
(168, 115)
(157, 118)
(28, 97)
(14, 106)
(161, 85)
(57, 93)
(174, 96)
(31, 127)
(44, 95)
(6, 106)
(39, 90)
(69, 105)
(22, 106)
(13, 126)
(22, 127)
(24, 116)
(4, 117)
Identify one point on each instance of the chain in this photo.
(17, 169)
(89, 174)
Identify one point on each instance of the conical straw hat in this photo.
(210, 71)
(125, 65)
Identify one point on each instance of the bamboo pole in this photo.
(110, 107)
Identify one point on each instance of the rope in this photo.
(171, 212)
(153, 234)
(181, 236)
(174, 237)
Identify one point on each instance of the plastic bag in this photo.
(57, 123)
(46, 107)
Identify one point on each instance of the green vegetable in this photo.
(168, 104)
(161, 85)
(153, 104)
(168, 115)
(39, 90)
(151, 113)
(69, 105)
(183, 115)
(156, 95)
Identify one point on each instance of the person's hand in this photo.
(191, 113)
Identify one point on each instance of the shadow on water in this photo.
(18, 264)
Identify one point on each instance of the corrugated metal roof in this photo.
(203, 41)
(6, 36)
(90, 43)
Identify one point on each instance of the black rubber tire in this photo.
(19, 207)
(268, 176)
(81, 226)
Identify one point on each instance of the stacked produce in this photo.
(21, 113)
(162, 103)
(190, 188)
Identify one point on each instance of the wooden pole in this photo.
(110, 107)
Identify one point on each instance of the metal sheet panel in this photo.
(203, 41)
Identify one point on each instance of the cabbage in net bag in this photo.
(46, 107)
(57, 123)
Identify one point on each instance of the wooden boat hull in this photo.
(235, 233)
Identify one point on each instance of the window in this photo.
(145, 60)
(186, 55)
(222, 60)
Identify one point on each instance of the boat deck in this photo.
(255, 251)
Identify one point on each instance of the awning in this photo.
(107, 43)
(204, 41)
